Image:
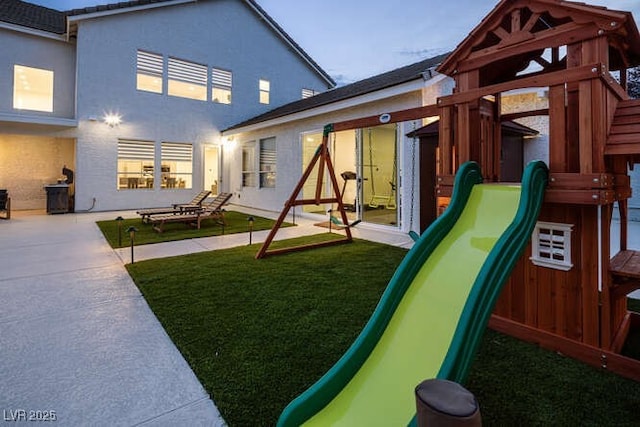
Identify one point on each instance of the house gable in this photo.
(517, 32)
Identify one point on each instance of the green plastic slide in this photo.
(431, 317)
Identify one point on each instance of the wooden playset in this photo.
(580, 308)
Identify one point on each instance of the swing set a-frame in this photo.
(322, 159)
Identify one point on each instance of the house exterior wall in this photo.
(38, 52)
(289, 151)
(223, 34)
(26, 180)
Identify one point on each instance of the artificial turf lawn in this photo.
(235, 222)
(259, 332)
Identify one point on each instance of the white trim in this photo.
(118, 11)
(33, 31)
(38, 120)
(414, 85)
(552, 244)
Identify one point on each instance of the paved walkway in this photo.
(77, 337)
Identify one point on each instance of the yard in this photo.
(259, 332)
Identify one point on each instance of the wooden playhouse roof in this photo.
(516, 32)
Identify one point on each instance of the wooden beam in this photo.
(585, 72)
(581, 181)
(521, 114)
(585, 131)
(384, 118)
(557, 129)
(579, 197)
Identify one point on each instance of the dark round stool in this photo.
(443, 403)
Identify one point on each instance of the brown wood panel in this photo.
(445, 142)
(463, 135)
(530, 290)
(557, 129)
(584, 72)
(626, 138)
(589, 276)
(585, 131)
(631, 127)
(592, 355)
(390, 117)
(606, 320)
(581, 181)
(599, 128)
(546, 307)
(579, 197)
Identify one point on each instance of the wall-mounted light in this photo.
(112, 119)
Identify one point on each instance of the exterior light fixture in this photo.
(250, 220)
(132, 235)
(112, 119)
(119, 221)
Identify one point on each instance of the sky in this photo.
(355, 39)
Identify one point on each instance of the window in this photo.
(187, 79)
(149, 72)
(32, 89)
(249, 165)
(265, 88)
(221, 86)
(308, 93)
(135, 164)
(176, 165)
(268, 163)
(551, 245)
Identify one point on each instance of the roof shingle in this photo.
(362, 87)
(32, 16)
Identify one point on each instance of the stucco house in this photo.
(132, 96)
(380, 170)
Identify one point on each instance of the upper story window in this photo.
(149, 72)
(187, 79)
(268, 162)
(265, 88)
(221, 81)
(177, 165)
(32, 89)
(308, 93)
(135, 164)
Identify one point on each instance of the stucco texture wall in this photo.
(29, 163)
(536, 148)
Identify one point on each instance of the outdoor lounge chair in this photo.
(212, 210)
(5, 204)
(176, 209)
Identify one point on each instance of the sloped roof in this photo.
(490, 37)
(32, 16)
(362, 87)
(41, 18)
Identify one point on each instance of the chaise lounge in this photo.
(176, 209)
(212, 210)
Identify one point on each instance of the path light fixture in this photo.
(330, 211)
(132, 236)
(250, 221)
(119, 221)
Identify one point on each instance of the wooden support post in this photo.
(557, 129)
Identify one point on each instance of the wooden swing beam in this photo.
(323, 158)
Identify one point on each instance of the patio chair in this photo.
(5, 204)
(176, 209)
(212, 210)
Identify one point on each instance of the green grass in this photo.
(236, 222)
(259, 332)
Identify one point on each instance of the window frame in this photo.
(264, 88)
(21, 85)
(551, 245)
(176, 152)
(149, 64)
(194, 76)
(222, 80)
(267, 159)
(249, 177)
(136, 150)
